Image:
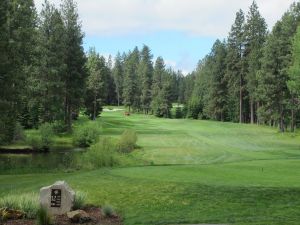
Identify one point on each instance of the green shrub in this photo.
(102, 154)
(108, 211)
(19, 134)
(79, 200)
(27, 203)
(43, 217)
(35, 142)
(47, 135)
(178, 113)
(59, 127)
(86, 136)
(127, 141)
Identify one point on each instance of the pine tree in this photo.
(130, 90)
(216, 106)
(95, 83)
(159, 70)
(17, 28)
(255, 36)
(235, 68)
(146, 73)
(46, 84)
(74, 80)
(294, 79)
(118, 77)
(273, 77)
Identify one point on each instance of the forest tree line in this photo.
(254, 75)
(251, 77)
(47, 77)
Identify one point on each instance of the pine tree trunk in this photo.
(66, 111)
(241, 101)
(252, 111)
(281, 122)
(118, 93)
(293, 121)
(95, 105)
(257, 119)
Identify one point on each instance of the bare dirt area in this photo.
(95, 214)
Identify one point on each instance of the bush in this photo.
(178, 113)
(47, 135)
(86, 136)
(59, 127)
(43, 217)
(28, 203)
(108, 211)
(19, 134)
(102, 154)
(79, 200)
(127, 141)
(35, 142)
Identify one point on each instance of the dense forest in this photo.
(253, 76)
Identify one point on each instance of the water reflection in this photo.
(39, 162)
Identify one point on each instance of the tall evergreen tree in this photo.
(74, 80)
(235, 68)
(95, 83)
(17, 24)
(274, 75)
(159, 70)
(161, 90)
(118, 77)
(255, 36)
(130, 89)
(294, 79)
(146, 73)
(46, 84)
(216, 105)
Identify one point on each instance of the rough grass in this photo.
(204, 172)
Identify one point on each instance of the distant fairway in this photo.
(202, 172)
(168, 141)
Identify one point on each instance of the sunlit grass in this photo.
(202, 172)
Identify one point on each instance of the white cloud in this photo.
(197, 17)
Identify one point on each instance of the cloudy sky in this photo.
(181, 31)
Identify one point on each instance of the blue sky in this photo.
(181, 31)
(179, 50)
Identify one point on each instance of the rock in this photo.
(78, 216)
(57, 198)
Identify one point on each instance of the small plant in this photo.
(28, 203)
(43, 217)
(178, 113)
(35, 142)
(108, 211)
(127, 141)
(101, 154)
(47, 135)
(59, 127)
(79, 200)
(19, 134)
(86, 136)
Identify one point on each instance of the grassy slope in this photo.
(216, 173)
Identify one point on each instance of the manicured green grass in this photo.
(203, 172)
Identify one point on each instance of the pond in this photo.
(39, 162)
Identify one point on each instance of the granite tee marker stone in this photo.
(57, 198)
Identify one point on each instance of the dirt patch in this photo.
(94, 213)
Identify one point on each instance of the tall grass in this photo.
(79, 201)
(127, 141)
(102, 154)
(28, 203)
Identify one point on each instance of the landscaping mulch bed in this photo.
(94, 213)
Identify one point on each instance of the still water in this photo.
(39, 162)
